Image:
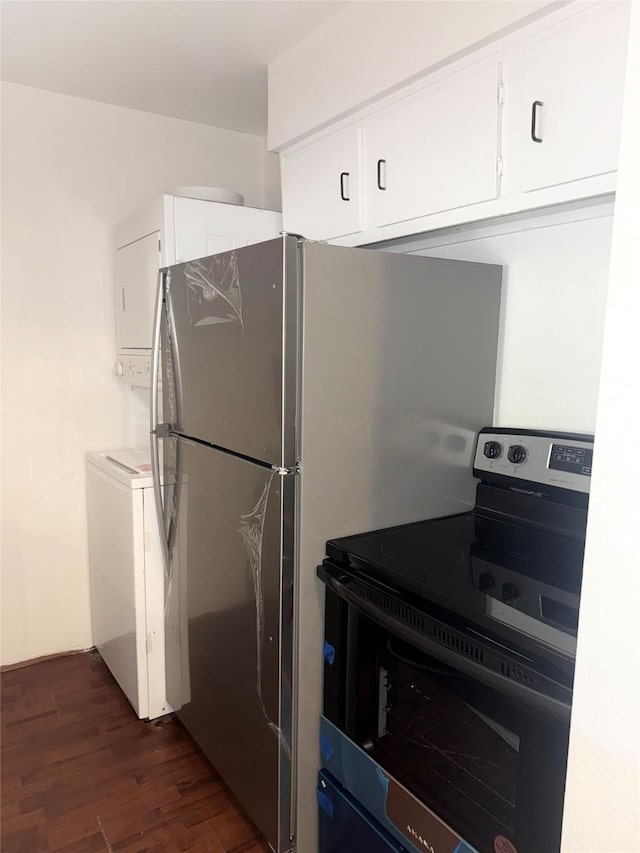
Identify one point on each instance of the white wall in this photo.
(602, 806)
(272, 189)
(555, 284)
(369, 49)
(71, 168)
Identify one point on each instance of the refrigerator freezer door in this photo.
(232, 321)
(229, 622)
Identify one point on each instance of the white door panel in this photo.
(436, 151)
(136, 273)
(573, 90)
(321, 187)
(116, 559)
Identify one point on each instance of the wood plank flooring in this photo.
(81, 774)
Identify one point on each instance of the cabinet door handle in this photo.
(534, 120)
(382, 185)
(344, 186)
(124, 299)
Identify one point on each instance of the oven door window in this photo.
(488, 766)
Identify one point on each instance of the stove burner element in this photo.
(420, 552)
(466, 533)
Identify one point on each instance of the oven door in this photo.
(485, 753)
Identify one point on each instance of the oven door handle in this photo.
(532, 698)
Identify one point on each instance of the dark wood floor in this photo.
(80, 772)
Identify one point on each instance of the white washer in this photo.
(127, 576)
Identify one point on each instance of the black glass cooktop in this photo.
(499, 573)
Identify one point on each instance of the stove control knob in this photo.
(492, 449)
(510, 592)
(486, 582)
(516, 454)
(118, 369)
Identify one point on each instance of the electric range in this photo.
(453, 643)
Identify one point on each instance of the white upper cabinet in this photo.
(321, 187)
(437, 150)
(573, 90)
(529, 121)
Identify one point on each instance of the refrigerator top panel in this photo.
(230, 343)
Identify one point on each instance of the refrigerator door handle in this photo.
(158, 431)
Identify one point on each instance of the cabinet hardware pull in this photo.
(344, 193)
(124, 299)
(534, 120)
(382, 163)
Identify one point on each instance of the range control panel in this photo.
(556, 459)
(134, 370)
(568, 457)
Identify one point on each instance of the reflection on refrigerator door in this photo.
(223, 359)
(176, 613)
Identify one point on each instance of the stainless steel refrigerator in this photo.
(308, 391)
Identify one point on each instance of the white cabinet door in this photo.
(321, 187)
(436, 151)
(136, 274)
(204, 228)
(573, 89)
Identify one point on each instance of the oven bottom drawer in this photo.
(404, 817)
(345, 827)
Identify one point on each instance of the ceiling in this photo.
(200, 60)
